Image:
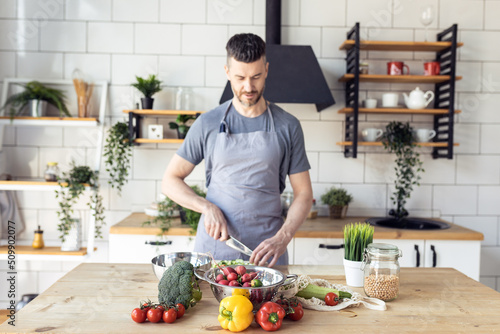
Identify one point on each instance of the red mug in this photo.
(431, 68)
(396, 68)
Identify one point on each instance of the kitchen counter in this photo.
(99, 297)
(321, 227)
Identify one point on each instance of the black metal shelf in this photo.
(444, 91)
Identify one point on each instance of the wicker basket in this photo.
(338, 212)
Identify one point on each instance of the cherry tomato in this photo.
(154, 314)
(180, 310)
(138, 315)
(170, 315)
(297, 314)
(331, 299)
(161, 307)
(146, 306)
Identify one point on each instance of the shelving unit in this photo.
(444, 90)
(134, 123)
(54, 253)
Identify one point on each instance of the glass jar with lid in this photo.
(381, 271)
(51, 172)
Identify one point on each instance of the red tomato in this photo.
(331, 299)
(138, 315)
(161, 307)
(154, 314)
(170, 315)
(146, 306)
(297, 314)
(180, 310)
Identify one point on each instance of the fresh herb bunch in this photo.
(356, 237)
(148, 87)
(166, 210)
(336, 197)
(398, 139)
(72, 186)
(34, 90)
(118, 150)
(180, 124)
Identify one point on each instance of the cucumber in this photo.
(320, 292)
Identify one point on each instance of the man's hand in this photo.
(273, 247)
(215, 223)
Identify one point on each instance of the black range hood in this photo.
(294, 72)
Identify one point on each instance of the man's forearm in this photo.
(297, 214)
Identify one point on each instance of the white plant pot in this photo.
(353, 274)
(73, 241)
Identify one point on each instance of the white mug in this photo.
(390, 100)
(371, 103)
(424, 135)
(371, 134)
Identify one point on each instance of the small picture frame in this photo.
(155, 131)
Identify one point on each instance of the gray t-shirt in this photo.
(200, 140)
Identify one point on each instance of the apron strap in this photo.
(225, 128)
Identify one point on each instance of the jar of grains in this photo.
(381, 271)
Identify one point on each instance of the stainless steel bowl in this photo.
(164, 261)
(271, 279)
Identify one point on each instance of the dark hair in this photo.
(246, 48)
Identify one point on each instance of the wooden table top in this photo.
(321, 227)
(99, 297)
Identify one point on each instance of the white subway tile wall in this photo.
(183, 42)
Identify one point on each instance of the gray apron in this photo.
(245, 186)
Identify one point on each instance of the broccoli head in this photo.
(178, 285)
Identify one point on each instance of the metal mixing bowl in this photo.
(271, 279)
(164, 261)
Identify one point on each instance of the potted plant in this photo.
(148, 87)
(36, 96)
(356, 237)
(118, 150)
(181, 125)
(73, 184)
(398, 139)
(338, 201)
(167, 208)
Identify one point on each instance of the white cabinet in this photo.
(463, 255)
(130, 248)
(318, 251)
(412, 250)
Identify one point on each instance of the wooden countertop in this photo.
(99, 297)
(321, 227)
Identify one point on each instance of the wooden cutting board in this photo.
(99, 297)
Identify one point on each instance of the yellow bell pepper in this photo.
(235, 313)
(241, 292)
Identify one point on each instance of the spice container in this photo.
(51, 172)
(38, 239)
(381, 271)
(363, 68)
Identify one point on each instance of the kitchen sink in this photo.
(408, 223)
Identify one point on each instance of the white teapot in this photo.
(418, 99)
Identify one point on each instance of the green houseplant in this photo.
(166, 210)
(36, 95)
(398, 139)
(148, 87)
(118, 150)
(356, 237)
(338, 201)
(181, 125)
(72, 185)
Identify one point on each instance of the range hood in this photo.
(294, 72)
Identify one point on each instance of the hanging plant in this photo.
(166, 209)
(398, 139)
(118, 150)
(73, 184)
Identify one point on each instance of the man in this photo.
(249, 146)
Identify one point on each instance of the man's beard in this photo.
(250, 104)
